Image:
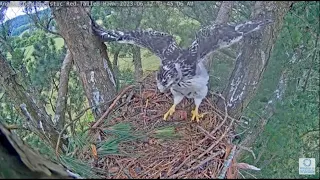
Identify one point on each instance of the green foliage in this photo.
(166, 133)
(204, 12)
(118, 133)
(293, 131)
(47, 62)
(79, 167)
(290, 134)
(76, 93)
(126, 77)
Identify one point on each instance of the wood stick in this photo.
(111, 106)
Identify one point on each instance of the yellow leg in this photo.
(195, 115)
(170, 112)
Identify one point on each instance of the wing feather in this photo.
(219, 36)
(161, 44)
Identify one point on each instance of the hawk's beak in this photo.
(160, 87)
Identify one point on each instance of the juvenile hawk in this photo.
(182, 69)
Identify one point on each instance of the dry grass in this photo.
(135, 142)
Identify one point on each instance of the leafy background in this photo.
(291, 133)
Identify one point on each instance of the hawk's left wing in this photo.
(219, 36)
(161, 44)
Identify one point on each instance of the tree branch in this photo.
(224, 12)
(59, 117)
(41, 121)
(222, 18)
(36, 20)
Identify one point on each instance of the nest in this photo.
(175, 148)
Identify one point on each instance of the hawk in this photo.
(181, 69)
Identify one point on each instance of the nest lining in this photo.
(175, 148)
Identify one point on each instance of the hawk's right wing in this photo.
(161, 44)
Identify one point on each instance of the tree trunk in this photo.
(224, 12)
(19, 161)
(222, 18)
(61, 104)
(253, 57)
(138, 72)
(136, 51)
(26, 104)
(89, 55)
(115, 67)
(267, 113)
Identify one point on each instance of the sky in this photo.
(15, 9)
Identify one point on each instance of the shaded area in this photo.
(20, 161)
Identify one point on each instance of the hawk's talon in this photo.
(196, 116)
(170, 112)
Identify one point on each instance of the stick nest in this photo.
(135, 141)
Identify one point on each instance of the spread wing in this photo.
(219, 36)
(161, 44)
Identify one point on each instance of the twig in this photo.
(206, 132)
(50, 100)
(38, 23)
(197, 166)
(65, 127)
(227, 163)
(249, 150)
(241, 174)
(265, 143)
(211, 133)
(250, 174)
(111, 106)
(213, 145)
(16, 127)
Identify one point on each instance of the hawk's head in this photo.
(168, 75)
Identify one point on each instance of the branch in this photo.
(50, 100)
(111, 106)
(40, 25)
(222, 18)
(59, 117)
(224, 12)
(66, 126)
(227, 163)
(201, 163)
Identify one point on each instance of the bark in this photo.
(138, 72)
(89, 56)
(19, 161)
(253, 57)
(136, 52)
(26, 104)
(268, 111)
(116, 67)
(61, 104)
(224, 12)
(269, 108)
